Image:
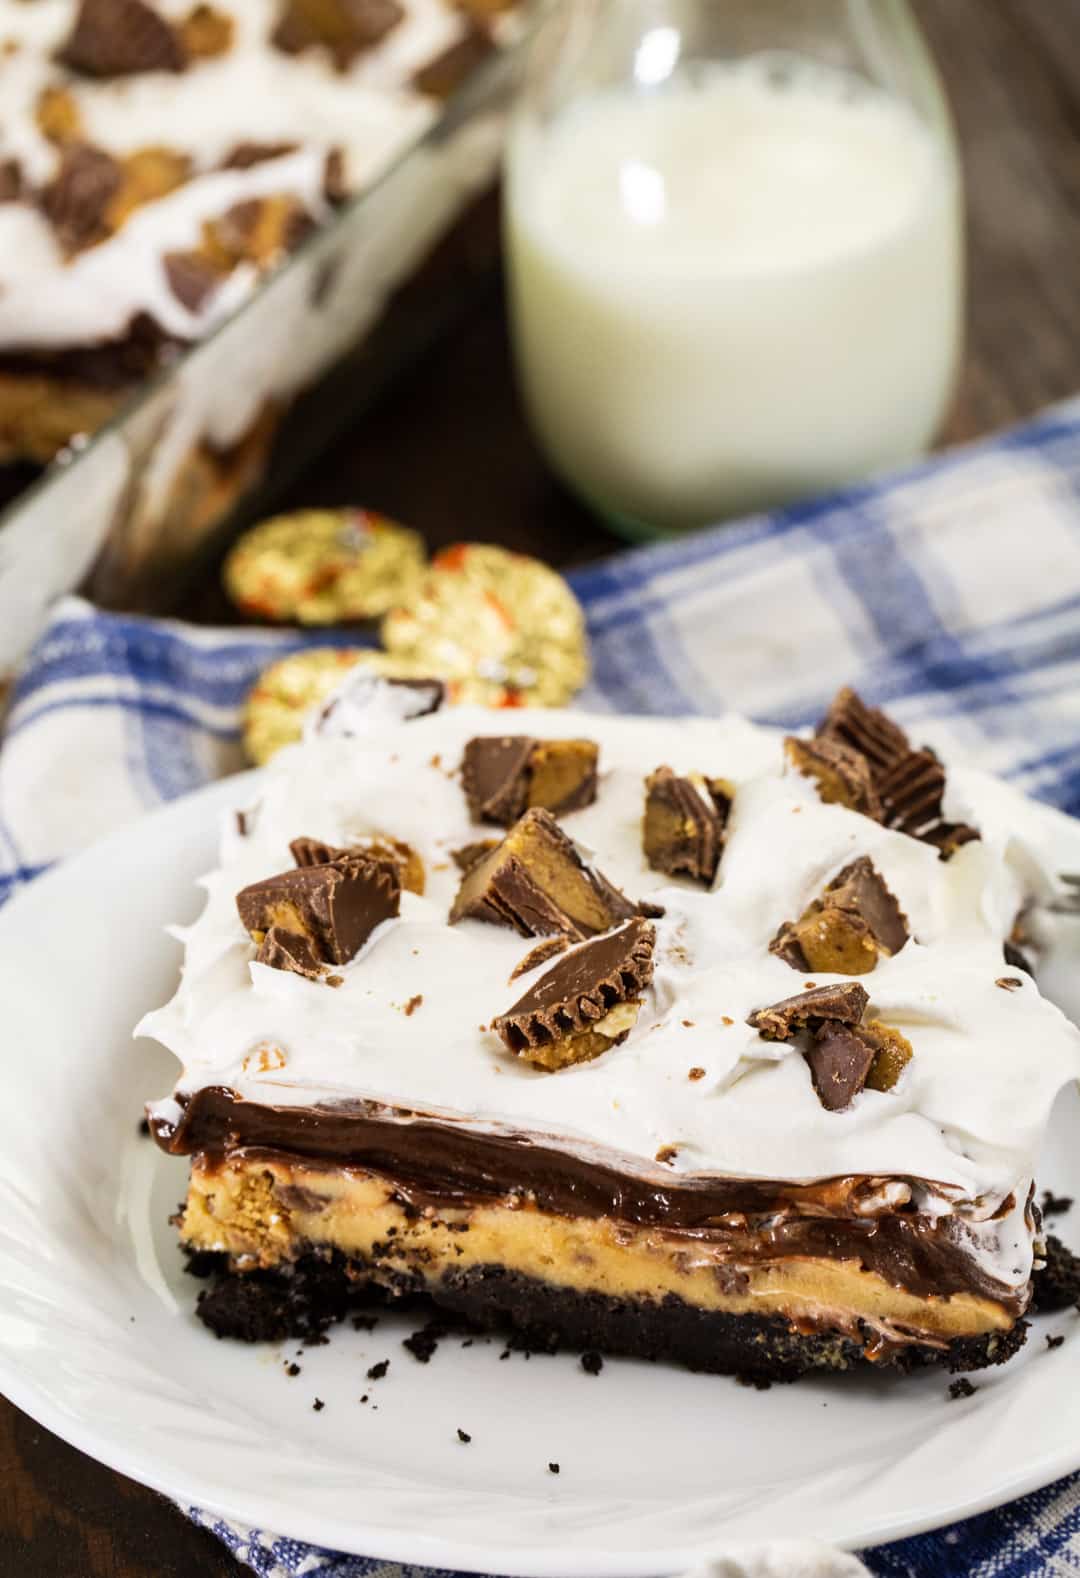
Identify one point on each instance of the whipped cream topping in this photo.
(968, 1112)
(253, 93)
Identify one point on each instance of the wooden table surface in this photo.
(447, 450)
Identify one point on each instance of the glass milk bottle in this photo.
(734, 240)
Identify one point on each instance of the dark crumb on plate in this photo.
(423, 1343)
(292, 1369)
(463, 1436)
(364, 1398)
(1054, 1341)
(467, 1343)
(144, 1128)
(961, 1388)
(377, 1371)
(688, 1024)
(758, 1382)
(591, 1362)
(553, 1468)
(1057, 1285)
(318, 1405)
(1055, 1204)
(364, 1322)
(696, 1073)
(413, 1004)
(505, 1354)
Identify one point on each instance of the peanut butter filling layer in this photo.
(265, 1211)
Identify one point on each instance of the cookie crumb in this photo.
(413, 1004)
(961, 1388)
(377, 1371)
(292, 1369)
(696, 1073)
(1009, 983)
(1054, 1341)
(318, 1405)
(463, 1436)
(553, 1468)
(689, 1024)
(725, 1020)
(592, 1362)
(335, 980)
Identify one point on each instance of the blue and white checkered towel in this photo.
(949, 593)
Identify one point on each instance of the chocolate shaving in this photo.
(76, 199)
(845, 1003)
(192, 278)
(581, 990)
(335, 907)
(120, 38)
(856, 919)
(503, 776)
(841, 774)
(346, 27)
(289, 950)
(536, 882)
(839, 1062)
(683, 826)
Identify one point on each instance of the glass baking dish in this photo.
(129, 513)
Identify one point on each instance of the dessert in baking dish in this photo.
(664, 1037)
(158, 156)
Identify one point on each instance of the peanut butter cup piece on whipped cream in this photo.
(345, 27)
(535, 881)
(121, 38)
(586, 1003)
(842, 776)
(391, 851)
(846, 1052)
(683, 827)
(909, 783)
(506, 775)
(846, 930)
(844, 1003)
(334, 907)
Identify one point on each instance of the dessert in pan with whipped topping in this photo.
(674, 1038)
(157, 156)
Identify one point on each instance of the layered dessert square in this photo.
(672, 1038)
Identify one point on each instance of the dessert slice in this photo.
(623, 1133)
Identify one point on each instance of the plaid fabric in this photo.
(949, 593)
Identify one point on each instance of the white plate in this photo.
(98, 1341)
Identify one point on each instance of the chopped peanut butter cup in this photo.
(840, 1061)
(335, 907)
(504, 776)
(586, 1003)
(391, 851)
(289, 950)
(345, 27)
(864, 729)
(536, 882)
(683, 827)
(909, 784)
(120, 38)
(844, 932)
(841, 774)
(76, 200)
(845, 1053)
(844, 1003)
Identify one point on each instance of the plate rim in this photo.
(407, 1545)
